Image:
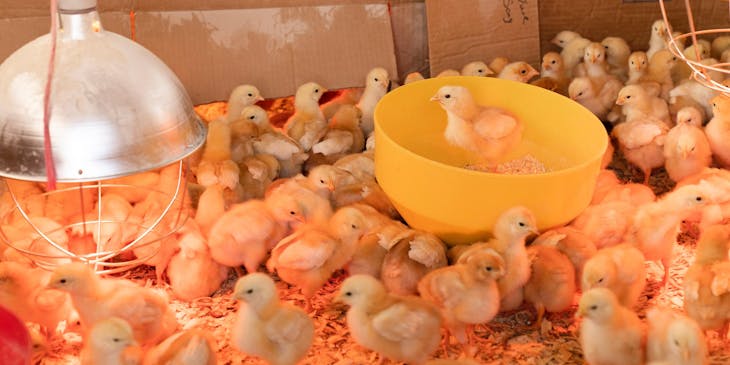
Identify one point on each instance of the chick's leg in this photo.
(647, 175)
(469, 348)
(540, 308)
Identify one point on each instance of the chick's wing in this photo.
(494, 123)
(400, 322)
(310, 251)
(285, 326)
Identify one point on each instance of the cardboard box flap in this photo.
(38, 8)
(410, 35)
(276, 49)
(166, 5)
(480, 30)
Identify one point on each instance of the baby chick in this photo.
(659, 71)
(411, 255)
(286, 150)
(692, 93)
(596, 98)
(606, 223)
(518, 71)
(241, 97)
(448, 73)
(192, 271)
(610, 333)
(552, 68)
(617, 56)
(674, 338)
(403, 329)
(573, 47)
(510, 232)
(718, 130)
(476, 68)
(633, 193)
(413, 77)
(190, 347)
(277, 332)
(618, 268)
(343, 135)
(216, 166)
(110, 342)
(257, 173)
(376, 86)
(656, 225)
(576, 246)
(637, 103)
(23, 292)
(307, 125)
(366, 192)
(606, 181)
(720, 45)
(369, 254)
(686, 148)
(638, 63)
(265, 221)
(489, 131)
(594, 63)
(552, 281)
(658, 39)
(96, 299)
(642, 142)
(497, 64)
(466, 293)
(360, 165)
(706, 294)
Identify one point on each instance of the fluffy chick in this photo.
(257, 173)
(519, 71)
(497, 64)
(466, 293)
(552, 68)
(620, 269)
(411, 255)
(376, 86)
(404, 329)
(718, 130)
(606, 180)
(573, 47)
(216, 166)
(288, 152)
(594, 64)
(656, 225)
(674, 338)
(599, 99)
(658, 38)
(552, 281)
(476, 68)
(366, 192)
(638, 63)
(190, 347)
(510, 232)
(642, 142)
(606, 223)
(706, 294)
(575, 245)
(413, 77)
(192, 271)
(110, 342)
(686, 148)
(490, 132)
(360, 165)
(307, 125)
(344, 134)
(610, 333)
(241, 97)
(96, 299)
(23, 291)
(692, 93)
(617, 56)
(265, 327)
(369, 254)
(659, 71)
(637, 103)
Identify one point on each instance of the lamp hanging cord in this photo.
(47, 151)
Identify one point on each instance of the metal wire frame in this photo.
(700, 72)
(102, 259)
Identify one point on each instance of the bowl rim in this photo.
(564, 171)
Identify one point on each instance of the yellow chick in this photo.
(96, 299)
(268, 223)
(490, 132)
(637, 103)
(307, 126)
(720, 45)
(497, 64)
(638, 64)
(606, 223)
(573, 47)
(403, 329)
(618, 268)
(617, 56)
(518, 71)
(641, 141)
(257, 173)
(572, 243)
(692, 93)
(366, 192)
(686, 148)
(552, 281)
(674, 338)
(706, 294)
(23, 291)
(695, 52)
(344, 134)
(241, 97)
(510, 232)
(636, 194)
(606, 181)
(610, 333)
(216, 165)
(308, 193)
(466, 293)
(192, 271)
(110, 342)
(411, 255)
(718, 130)
(659, 71)
(476, 68)
(360, 165)
(658, 38)
(114, 232)
(552, 68)
(376, 86)
(656, 225)
(369, 254)
(288, 152)
(598, 99)
(24, 237)
(343, 97)
(594, 63)
(156, 250)
(413, 77)
(277, 332)
(448, 73)
(190, 347)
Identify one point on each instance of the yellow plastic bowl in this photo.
(423, 175)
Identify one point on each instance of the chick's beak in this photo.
(384, 83)
(259, 98)
(685, 355)
(620, 101)
(594, 59)
(435, 98)
(331, 186)
(580, 312)
(546, 66)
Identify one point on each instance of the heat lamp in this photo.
(116, 110)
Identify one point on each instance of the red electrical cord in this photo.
(48, 153)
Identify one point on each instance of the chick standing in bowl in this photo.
(490, 132)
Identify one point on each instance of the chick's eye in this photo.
(488, 268)
(250, 95)
(447, 96)
(251, 117)
(62, 281)
(375, 79)
(594, 307)
(628, 96)
(523, 71)
(349, 294)
(115, 339)
(480, 70)
(316, 91)
(250, 291)
(291, 212)
(600, 280)
(698, 198)
(580, 93)
(354, 226)
(553, 62)
(321, 181)
(521, 224)
(676, 343)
